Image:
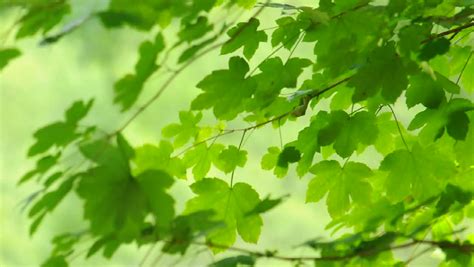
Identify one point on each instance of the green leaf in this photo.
(275, 76)
(230, 158)
(130, 86)
(77, 111)
(347, 132)
(367, 26)
(50, 200)
(55, 261)
(269, 162)
(230, 205)
(201, 158)
(421, 173)
(225, 91)
(388, 134)
(191, 51)
(450, 116)
(144, 15)
(235, 261)
(384, 72)
(42, 166)
(42, 17)
(114, 203)
(307, 142)
(194, 31)
(438, 46)
(449, 197)
(411, 37)
(8, 54)
(127, 151)
(60, 134)
(186, 227)
(289, 155)
(342, 184)
(154, 184)
(245, 3)
(188, 128)
(423, 89)
(244, 35)
(287, 32)
(265, 205)
(150, 157)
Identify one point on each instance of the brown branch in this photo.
(277, 118)
(464, 248)
(455, 30)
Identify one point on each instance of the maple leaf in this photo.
(244, 35)
(225, 91)
(342, 184)
(231, 206)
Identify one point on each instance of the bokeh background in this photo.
(36, 88)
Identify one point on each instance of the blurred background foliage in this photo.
(37, 87)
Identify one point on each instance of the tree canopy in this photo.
(366, 59)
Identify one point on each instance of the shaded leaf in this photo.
(8, 54)
(244, 35)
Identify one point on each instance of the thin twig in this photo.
(240, 146)
(465, 248)
(442, 34)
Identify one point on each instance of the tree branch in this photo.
(455, 30)
(464, 248)
(307, 98)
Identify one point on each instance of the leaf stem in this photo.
(233, 171)
(398, 127)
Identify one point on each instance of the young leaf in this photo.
(150, 157)
(201, 158)
(343, 185)
(230, 158)
(244, 35)
(230, 205)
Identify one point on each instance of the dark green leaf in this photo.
(289, 155)
(384, 72)
(347, 132)
(42, 17)
(8, 54)
(438, 46)
(235, 261)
